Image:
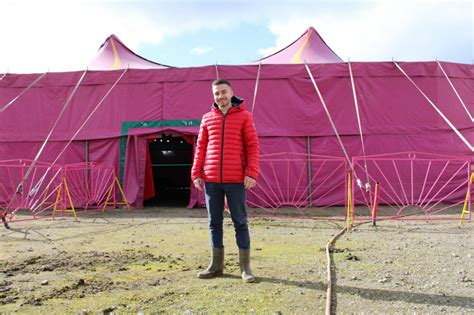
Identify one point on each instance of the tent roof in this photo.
(309, 47)
(113, 55)
(286, 105)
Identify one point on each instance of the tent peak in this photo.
(113, 54)
(309, 47)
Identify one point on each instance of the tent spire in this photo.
(114, 55)
(309, 48)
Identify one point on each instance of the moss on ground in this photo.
(147, 261)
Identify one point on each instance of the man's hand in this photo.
(198, 183)
(249, 182)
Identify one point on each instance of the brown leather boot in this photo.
(244, 260)
(216, 267)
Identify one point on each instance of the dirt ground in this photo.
(145, 262)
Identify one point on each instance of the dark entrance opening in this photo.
(171, 160)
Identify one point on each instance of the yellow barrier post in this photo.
(466, 201)
(350, 209)
(64, 203)
(111, 194)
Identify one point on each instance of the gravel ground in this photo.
(146, 261)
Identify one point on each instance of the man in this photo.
(226, 162)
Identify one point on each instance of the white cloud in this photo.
(380, 30)
(200, 50)
(65, 35)
(38, 36)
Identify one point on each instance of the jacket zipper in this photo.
(222, 147)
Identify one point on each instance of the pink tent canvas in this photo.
(113, 55)
(309, 48)
(114, 114)
(289, 116)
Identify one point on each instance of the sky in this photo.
(39, 36)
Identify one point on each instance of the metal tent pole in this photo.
(310, 191)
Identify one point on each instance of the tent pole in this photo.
(256, 87)
(308, 140)
(87, 165)
(87, 151)
(217, 72)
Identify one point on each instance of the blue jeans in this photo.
(236, 199)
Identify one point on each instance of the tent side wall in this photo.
(394, 115)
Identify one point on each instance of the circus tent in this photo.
(111, 116)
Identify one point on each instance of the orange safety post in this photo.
(375, 204)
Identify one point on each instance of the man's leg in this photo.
(215, 212)
(215, 209)
(237, 198)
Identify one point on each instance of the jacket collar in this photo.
(235, 101)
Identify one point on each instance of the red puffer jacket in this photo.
(227, 148)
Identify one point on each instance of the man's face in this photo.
(222, 95)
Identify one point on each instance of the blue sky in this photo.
(65, 35)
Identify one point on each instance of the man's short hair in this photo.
(221, 81)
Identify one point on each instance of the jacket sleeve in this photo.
(200, 152)
(252, 148)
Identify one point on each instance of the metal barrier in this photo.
(54, 189)
(299, 185)
(410, 186)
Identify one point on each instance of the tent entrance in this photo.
(169, 162)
